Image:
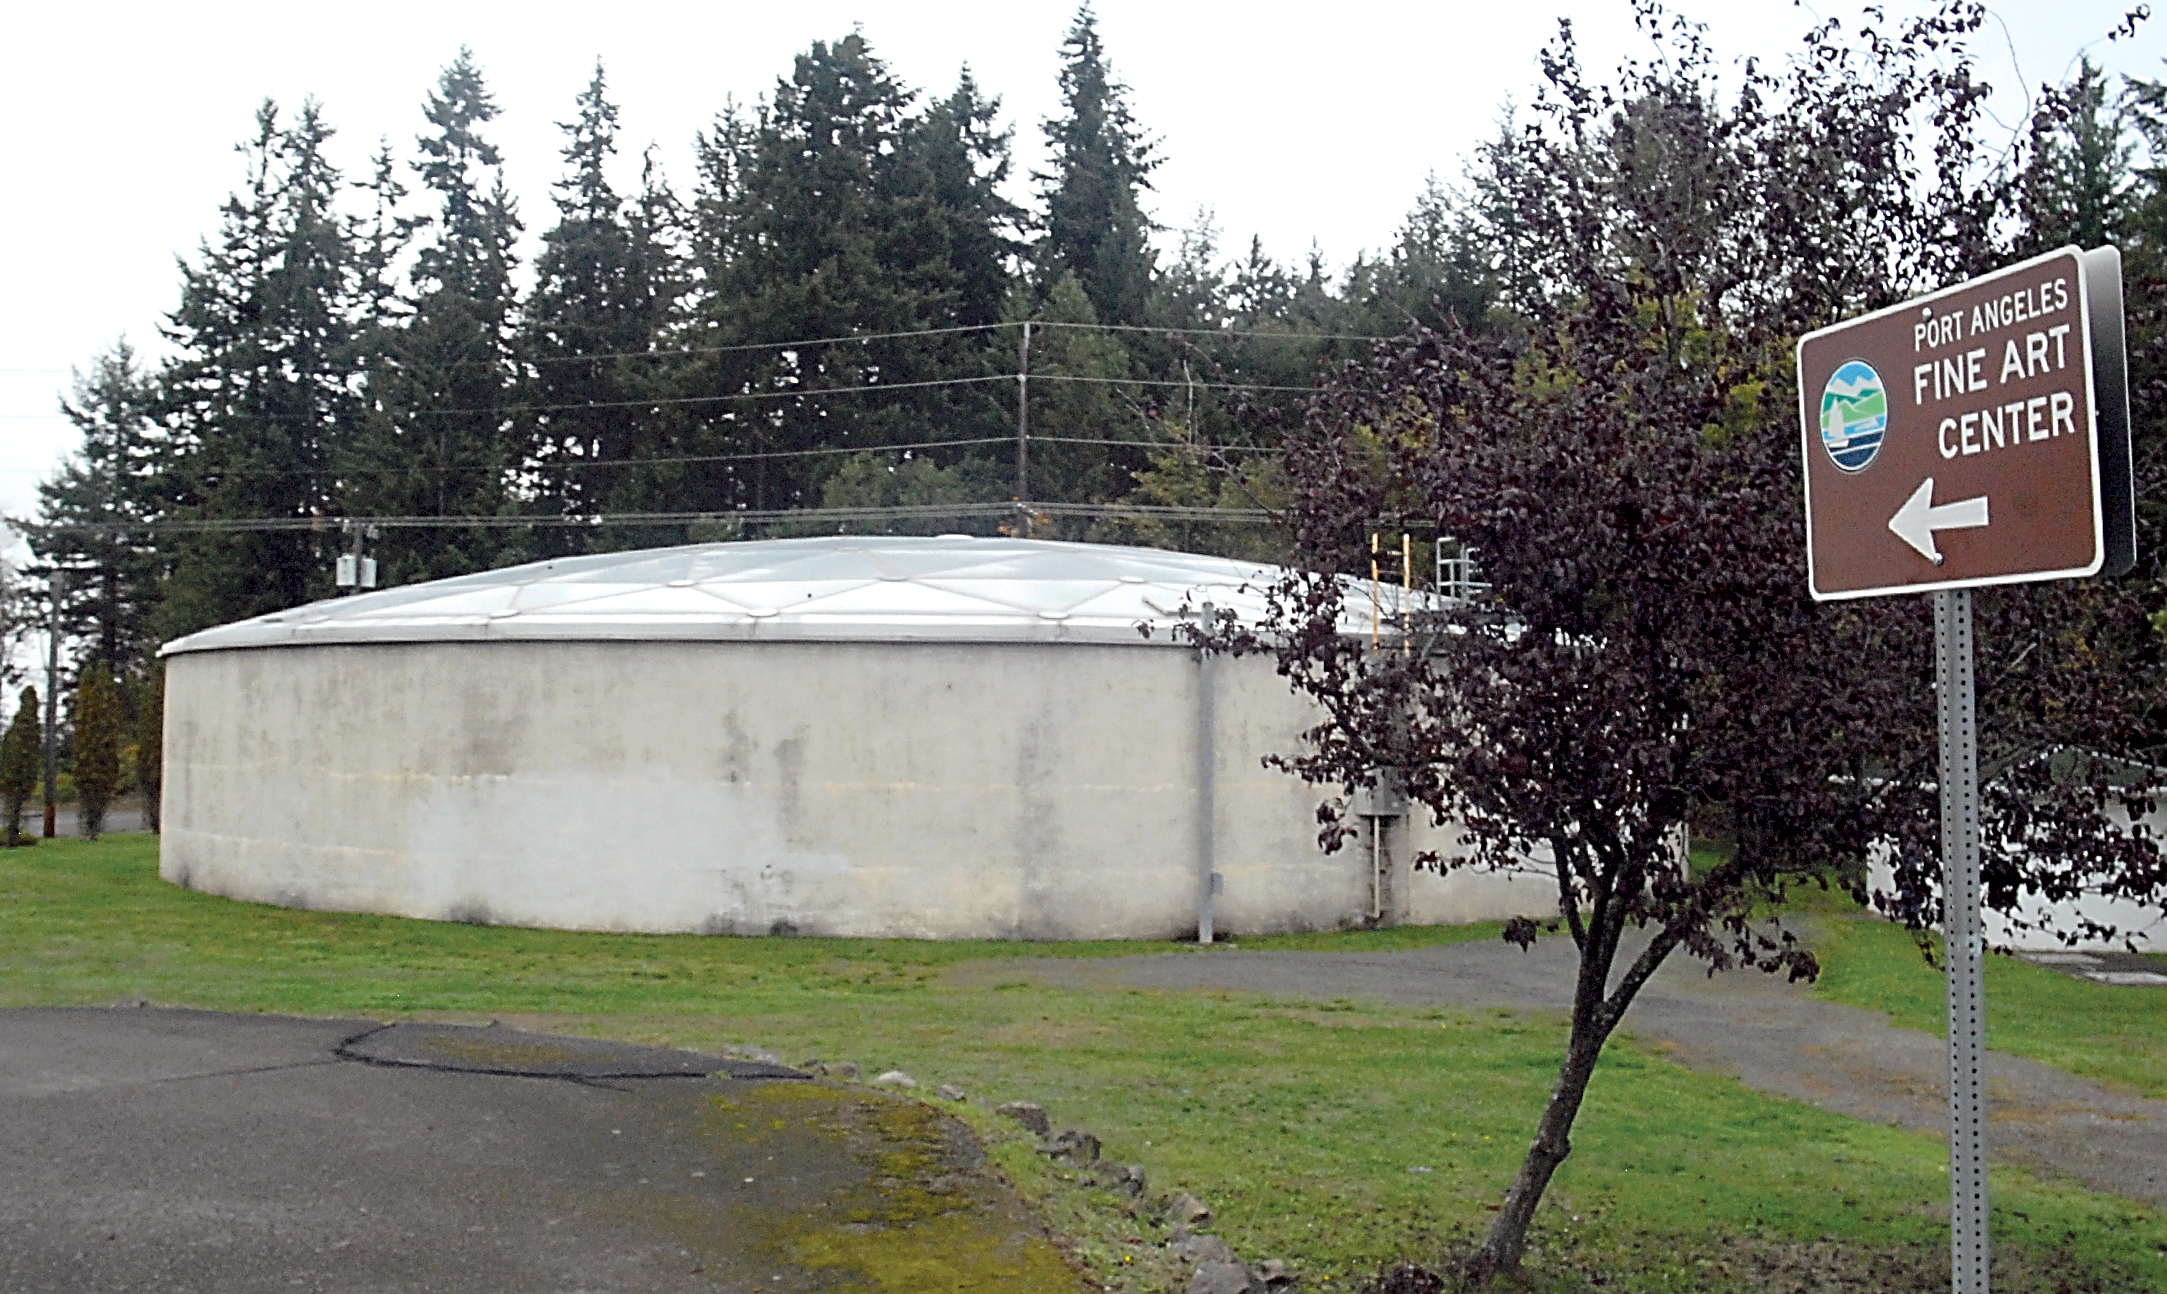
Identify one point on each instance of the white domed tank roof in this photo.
(951, 588)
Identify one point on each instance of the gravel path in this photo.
(1775, 1037)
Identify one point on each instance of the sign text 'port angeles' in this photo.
(1969, 437)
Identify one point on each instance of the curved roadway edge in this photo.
(1775, 1037)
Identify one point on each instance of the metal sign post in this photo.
(1975, 436)
(1963, 939)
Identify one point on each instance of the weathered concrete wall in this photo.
(1468, 895)
(861, 789)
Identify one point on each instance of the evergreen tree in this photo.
(1442, 269)
(606, 279)
(89, 509)
(259, 401)
(1078, 403)
(380, 239)
(1094, 225)
(150, 739)
(15, 617)
(966, 160)
(2076, 184)
(2081, 184)
(2143, 239)
(835, 212)
(1259, 291)
(886, 481)
(1192, 292)
(439, 440)
(19, 764)
(96, 743)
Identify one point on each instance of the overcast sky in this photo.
(1302, 124)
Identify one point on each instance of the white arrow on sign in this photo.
(1916, 522)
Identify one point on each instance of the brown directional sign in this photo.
(1979, 435)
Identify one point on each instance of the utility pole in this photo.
(58, 587)
(1023, 425)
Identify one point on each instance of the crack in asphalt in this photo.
(230, 1073)
(567, 1065)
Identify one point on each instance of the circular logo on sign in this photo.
(1854, 415)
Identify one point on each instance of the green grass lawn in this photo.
(2114, 1033)
(1336, 1136)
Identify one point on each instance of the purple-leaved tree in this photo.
(1619, 442)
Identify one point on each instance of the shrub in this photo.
(19, 764)
(97, 746)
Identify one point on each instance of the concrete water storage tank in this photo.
(940, 738)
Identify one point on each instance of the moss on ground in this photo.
(927, 1215)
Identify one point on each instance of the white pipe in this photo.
(1206, 774)
(1376, 868)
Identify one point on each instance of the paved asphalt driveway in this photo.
(187, 1150)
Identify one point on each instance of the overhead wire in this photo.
(565, 464)
(559, 464)
(903, 333)
(787, 393)
(805, 392)
(842, 339)
(745, 516)
(812, 392)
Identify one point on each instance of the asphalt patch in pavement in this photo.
(513, 1053)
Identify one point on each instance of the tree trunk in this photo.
(1507, 1238)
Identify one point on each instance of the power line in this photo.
(1212, 332)
(791, 393)
(1164, 381)
(787, 393)
(567, 464)
(811, 392)
(742, 347)
(846, 338)
(746, 516)
(546, 465)
(1149, 512)
(747, 457)
(843, 339)
(1156, 444)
